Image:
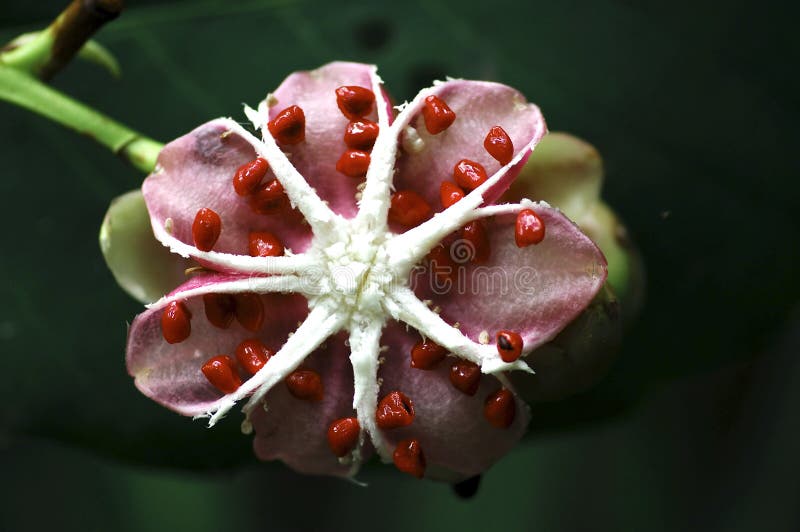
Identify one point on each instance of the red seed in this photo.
(252, 355)
(249, 311)
(176, 324)
(500, 408)
(289, 126)
(499, 145)
(249, 176)
(408, 458)
(408, 208)
(469, 174)
(427, 354)
(353, 163)
(438, 116)
(220, 309)
(475, 233)
(465, 376)
(354, 102)
(509, 345)
(305, 384)
(529, 228)
(442, 264)
(394, 410)
(221, 372)
(206, 229)
(361, 134)
(269, 198)
(343, 435)
(450, 193)
(264, 244)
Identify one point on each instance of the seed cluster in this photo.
(408, 209)
(356, 103)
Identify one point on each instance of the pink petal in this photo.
(535, 291)
(196, 171)
(170, 374)
(456, 439)
(294, 430)
(315, 158)
(479, 106)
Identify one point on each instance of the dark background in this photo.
(693, 105)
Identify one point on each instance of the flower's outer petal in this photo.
(294, 430)
(196, 171)
(564, 171)
(457, 440)
(315, 93)
(479, 106)
(170, 374)
(535, 290)
(140, 264)
(578, 357)
(567, 172)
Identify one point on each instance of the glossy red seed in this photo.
(394, 410)
(465, 376)
(269, 198)
(221, 372)
(289, 126)
(437, 115)
(353, 163)
(509, 345)
(354, 102)
(220, 309)
(176, 324)
(408, 208)
(343, 435)
(427, 354)
(442, 264)
(305, 384)
(206, 229)
(475, 233)
(499, 145)
(500, 409)
(529, 228)
(249, 176)
(252, 354)
(264, 244)
(361, 134)
(468, 174)
(450, 193)
(408, 458)
(249, 311)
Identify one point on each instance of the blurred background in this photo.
(694, 108)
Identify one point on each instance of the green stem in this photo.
(29, 93)
(44, 53)
(29, 52)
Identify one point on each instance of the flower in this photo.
(359, 290)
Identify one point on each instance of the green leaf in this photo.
(96, 53)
